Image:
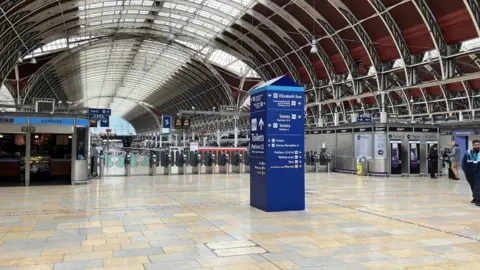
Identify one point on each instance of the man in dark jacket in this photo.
(471, 168)
(433, 161)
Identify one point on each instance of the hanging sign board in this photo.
(167, 121)
(186, 123)
(178, 122)
(93, 123)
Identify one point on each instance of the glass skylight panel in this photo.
(398, 63)
(470, 45)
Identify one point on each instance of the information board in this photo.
(167, 121)
(277, 175)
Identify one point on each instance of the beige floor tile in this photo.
(48, 266)
(227, 261)
(93, 242)
(112, 223)
(15, 236)
(119, 229)
(128, 267)
(135, 245)
(91, 224)
(380, 265)
(407, 253)
(67, 250)
(88, 256)
(238, 267)
(122, 240)
(286, 265)
(107, 247)
(124, 261)
(179, 249)
(32, 261)
(41, 234)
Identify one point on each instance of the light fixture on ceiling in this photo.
(19, 58)
(314, 48)
(171, 36)
(411, 100)
(32, 61)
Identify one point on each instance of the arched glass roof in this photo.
(141, 63)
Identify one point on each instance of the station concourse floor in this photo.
(205, 222)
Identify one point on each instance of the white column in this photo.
(336, 119)
(235, 133)
(218, 137)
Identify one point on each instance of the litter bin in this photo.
(362, 166)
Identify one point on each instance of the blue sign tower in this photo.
(277, 174)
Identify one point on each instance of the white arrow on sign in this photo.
(260, 124)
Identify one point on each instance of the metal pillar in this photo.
(183, 137)
(28, 150)
(218, 137)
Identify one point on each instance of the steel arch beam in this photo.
(446, 66)
(362, 35)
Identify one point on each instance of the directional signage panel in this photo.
(282, 100)
(105, 123)
(95, 111)
(277, 175)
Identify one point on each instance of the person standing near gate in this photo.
(471, 168)
(433, 161)
(455, 156)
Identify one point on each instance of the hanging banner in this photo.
(186, 123)
(380, 149)
(167, 121)
(363, 145)
(105, 123)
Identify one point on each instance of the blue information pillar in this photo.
(277, 175)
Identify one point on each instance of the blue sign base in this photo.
(277, 173)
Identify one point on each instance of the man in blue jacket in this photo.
(471, 168)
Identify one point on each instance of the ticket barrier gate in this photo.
(152, 169)
(246, 162)
(196, 162)
(181, 162)
(167, 163)
(310, 161)
(324, 161)
(210, 162)
(128, 164)
(101, 171)
(237, 162)
(223, 163)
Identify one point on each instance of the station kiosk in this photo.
(43, 149)
(414, 157)
(396, 157)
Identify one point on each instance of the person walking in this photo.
(455, 156)
(471, 169)
(433, 161)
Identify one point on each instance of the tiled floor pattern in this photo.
(205, 222)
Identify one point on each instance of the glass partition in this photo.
(82, 145)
